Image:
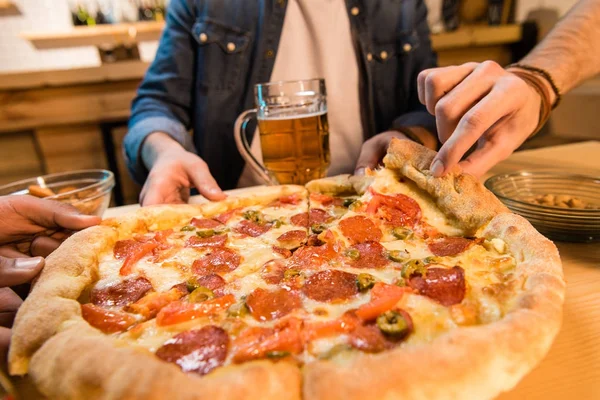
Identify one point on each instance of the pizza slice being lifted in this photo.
(392, 285)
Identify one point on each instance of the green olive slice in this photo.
(392, 323)
(201, 294)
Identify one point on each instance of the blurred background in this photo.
(69, 70)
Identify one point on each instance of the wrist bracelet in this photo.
(544, 74)
(545, 108)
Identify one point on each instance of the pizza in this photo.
(392, 285)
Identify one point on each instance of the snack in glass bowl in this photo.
(88, 190)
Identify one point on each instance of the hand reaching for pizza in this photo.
(30, 229)
(173, 171)
(478, 103)
(374, 149)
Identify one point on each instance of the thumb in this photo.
(374, 149)
(14, 271)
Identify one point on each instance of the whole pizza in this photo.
(395, 285)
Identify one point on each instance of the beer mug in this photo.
(293, 131)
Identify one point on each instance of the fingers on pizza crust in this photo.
(478, 362)
(67, 273)
(460, 196)
(94, 366)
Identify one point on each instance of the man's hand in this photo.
(173, 171)
(478, 103)
(29, 226)
(374, 149)
(37, 226)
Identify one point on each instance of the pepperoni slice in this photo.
(293, 199)
(106, 320)
(312, 256)
(444, 285)
(326, 200)
(219, 260)
(330, 285)
(212, 241)
(267, 305)
(286, 253)
(315, 216)
(398, 209)
(199, 351)
(372, 255)
(370, 339)
(251, 228)
(121, 294)
(211, 281)
(360, 229)
(292, 239)
(226, 216)
(300, 219)
(273, 271)
(318, 216)
(449, 246)
(123, 248)
(205, 223)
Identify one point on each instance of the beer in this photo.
(295, 149)
(293, 131)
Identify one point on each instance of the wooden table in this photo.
(571, 370)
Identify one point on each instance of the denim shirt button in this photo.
(354, 11)
(407, 47)
(269, 53)
(203, 37)
(383, 55)
(369, 57)
(231, 46)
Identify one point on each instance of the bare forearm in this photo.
(154, 144)
(571, 51)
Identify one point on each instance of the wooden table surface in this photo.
(571, 370)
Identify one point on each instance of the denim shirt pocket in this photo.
(220, 53)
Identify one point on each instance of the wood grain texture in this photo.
(35, 108)
(99, 35)
(571, 370)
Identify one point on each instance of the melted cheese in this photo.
(488, 274)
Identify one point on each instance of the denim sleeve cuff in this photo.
(416, 118)
(132, 144)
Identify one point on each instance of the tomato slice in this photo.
(106, 320)
(257, 342)
(152, 303)
(179, 311)
(136, 254)
(384, 297)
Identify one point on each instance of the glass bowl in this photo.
(523, 193)
(88, 190)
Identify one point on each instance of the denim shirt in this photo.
(212, 53)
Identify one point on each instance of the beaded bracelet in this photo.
(544, 74)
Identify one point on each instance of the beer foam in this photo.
(292, 116)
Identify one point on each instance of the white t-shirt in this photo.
(316, 42)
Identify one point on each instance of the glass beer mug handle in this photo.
(241, 141)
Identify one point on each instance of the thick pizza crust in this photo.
(460, 196)
(72, 360)
(69, 359)
(95, 366)
(472, 362)
(476, 362)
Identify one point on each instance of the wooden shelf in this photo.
(8, 8)
(115, 35)
(99, 36)
(476, 36)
